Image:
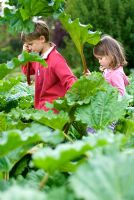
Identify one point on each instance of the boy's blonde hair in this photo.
(110, 47)
(40, 29)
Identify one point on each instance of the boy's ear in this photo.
(42, 38)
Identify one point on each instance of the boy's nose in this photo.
(30, 48)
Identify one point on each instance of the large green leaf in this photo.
(11, 140)
(4, 164)
(20, 193)
(47, 135)
(52, 160)
(7, 162)
(15, 21)
(79, 33)
(32, 179)
(103, 109)
(86, 87)
(6, 85)
(3, 122)
(81, 92)
(13, 95)
(126, 126)
(63, 156)
(39, 8)
(130, 87)
(25, 57)
(104, 178)
(60, 193)
(55, 121)
(19, 17)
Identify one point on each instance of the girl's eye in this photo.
(99, 58)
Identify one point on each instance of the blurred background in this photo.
(113, 17)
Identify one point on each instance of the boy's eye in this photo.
(30, 43)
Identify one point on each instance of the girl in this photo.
(111, 57)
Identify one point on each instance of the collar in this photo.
(46, 54)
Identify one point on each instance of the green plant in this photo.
(61, 156)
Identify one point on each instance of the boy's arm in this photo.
(64, 73)
(28, 68)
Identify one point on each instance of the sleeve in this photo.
(64, 73)
(118, 82)
(28, 68)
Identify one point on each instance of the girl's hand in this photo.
(101, 68)
(87, 73)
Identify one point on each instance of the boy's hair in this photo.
(110, 47)
(40, 29)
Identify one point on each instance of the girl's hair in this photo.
(110, 47)
(40, 29)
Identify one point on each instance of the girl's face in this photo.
(104, 61)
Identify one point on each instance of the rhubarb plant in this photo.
(47, 155)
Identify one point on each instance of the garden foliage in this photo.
(49, 156)
(113, 17)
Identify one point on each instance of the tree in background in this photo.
(10, 45)
(114, 17)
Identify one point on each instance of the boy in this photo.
(53, 81)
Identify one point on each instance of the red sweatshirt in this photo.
(51, 82)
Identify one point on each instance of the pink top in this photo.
(117, 78)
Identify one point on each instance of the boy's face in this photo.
(35, 45)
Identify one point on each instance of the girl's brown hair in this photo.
(110, 47)
(40, 29)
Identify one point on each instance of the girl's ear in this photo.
(42, 38)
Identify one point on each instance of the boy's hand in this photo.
(101, 68)
(26, 48)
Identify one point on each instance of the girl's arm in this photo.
(118, 82)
